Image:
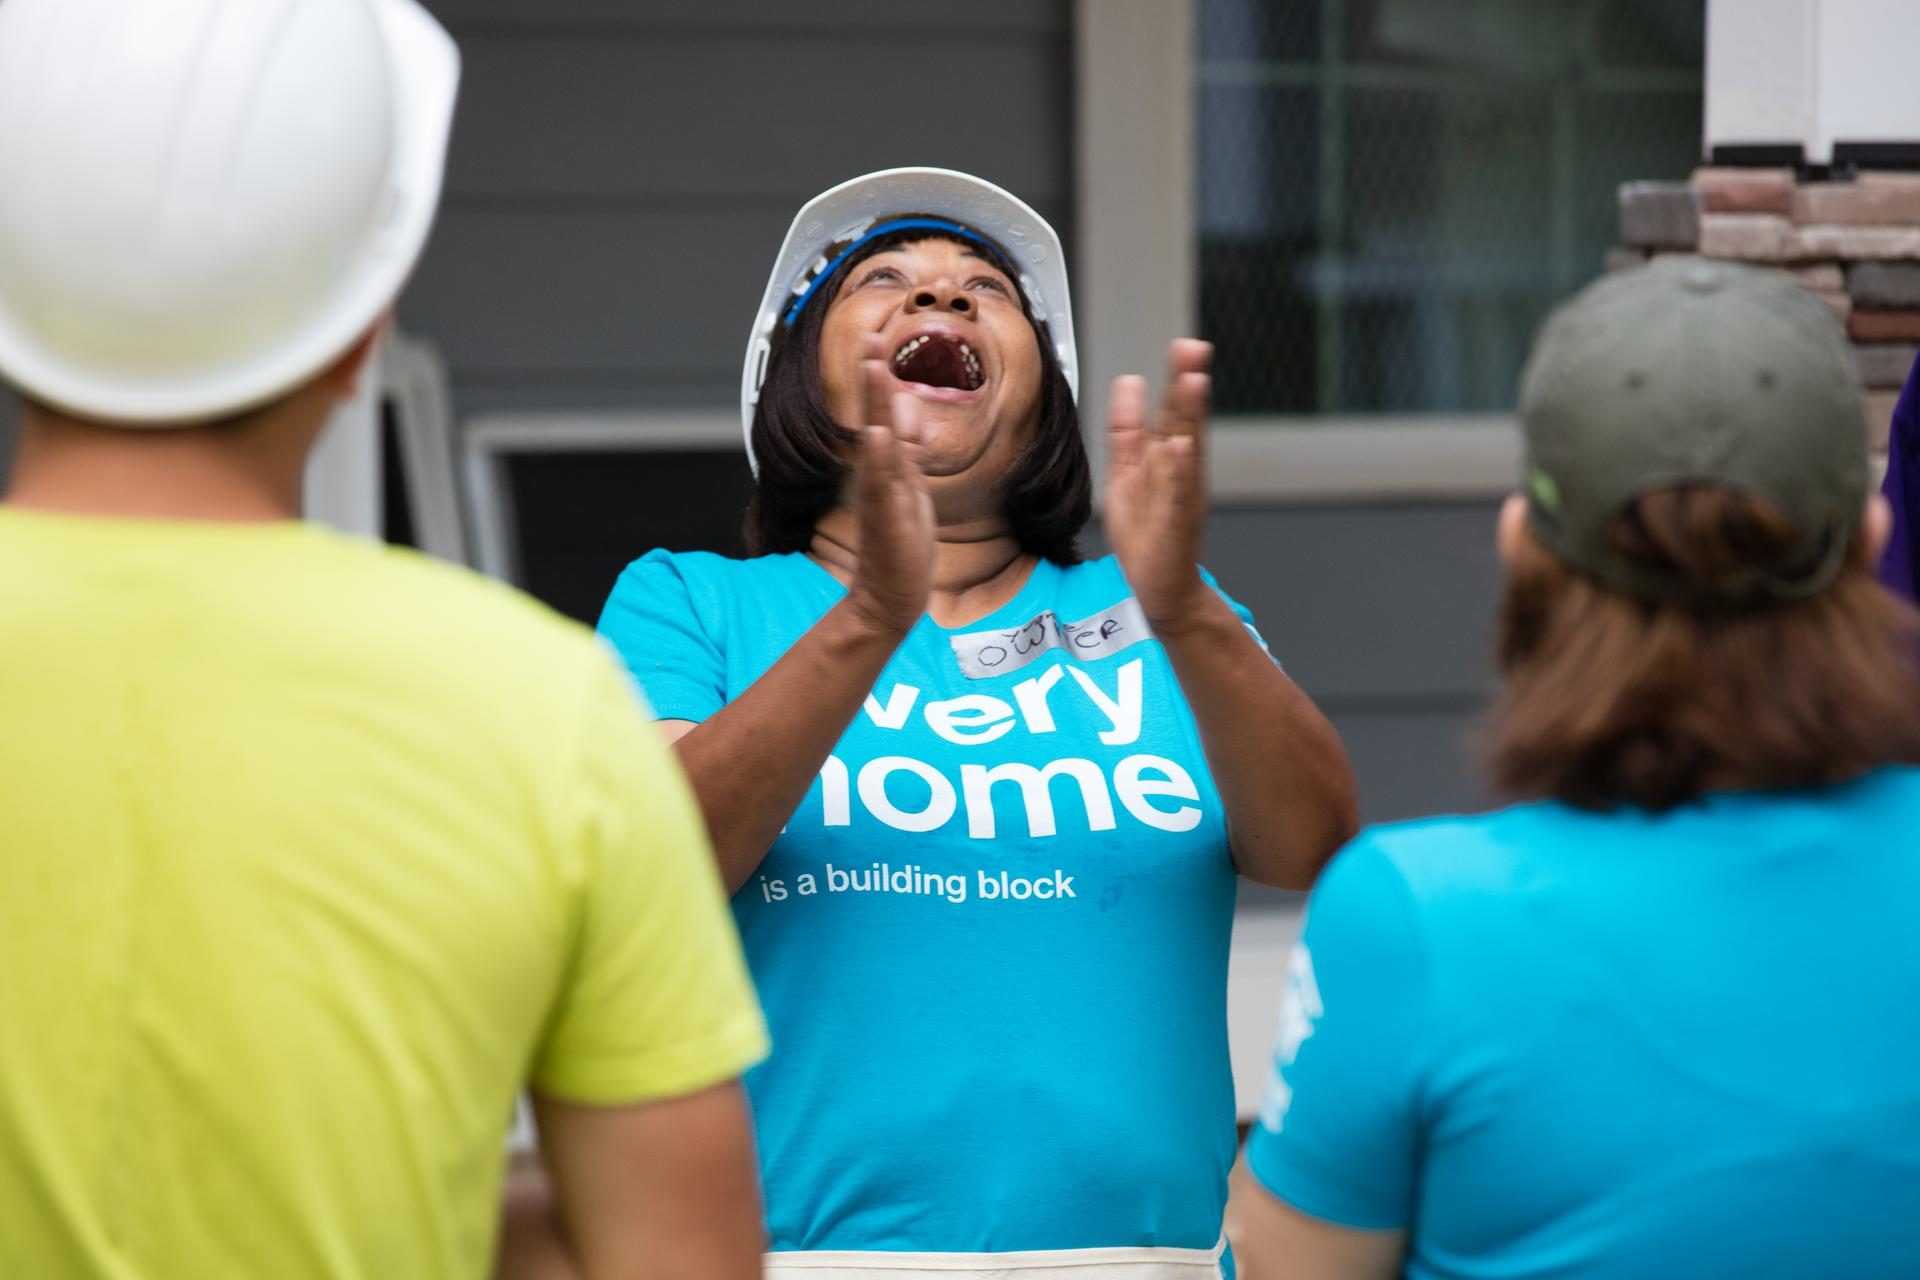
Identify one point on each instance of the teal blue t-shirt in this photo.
(1553, 1042)
(992, 942)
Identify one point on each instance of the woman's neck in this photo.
(976, 567)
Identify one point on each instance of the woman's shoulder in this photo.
(1457, 859)
(1106, 569)
(1897, 784)
(711, 573)
(712, 593)
(1453, 856)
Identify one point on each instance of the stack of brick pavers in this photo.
(1855, 243)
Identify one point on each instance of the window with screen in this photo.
(1392, 193)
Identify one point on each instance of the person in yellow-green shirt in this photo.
(313, 854)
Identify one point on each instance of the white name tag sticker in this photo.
(985, 654)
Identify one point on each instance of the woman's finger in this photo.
(1188, 355)
(1185, 357)
(879, 394)
(1127, 418)
(879, 460)
(1183, 467)
(909, 438)
(1189, 401)
(1153, 465)
(1189, 386)
(906, 416)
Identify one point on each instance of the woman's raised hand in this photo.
(1156, 509)
(894, 572)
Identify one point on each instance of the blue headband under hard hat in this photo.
(880, 229)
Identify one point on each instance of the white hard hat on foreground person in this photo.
(207, 202)
(315, 854)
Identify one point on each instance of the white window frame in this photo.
(490, 441)
(1136, 286)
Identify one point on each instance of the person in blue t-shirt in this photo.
(1658, 1020)
(981, 802)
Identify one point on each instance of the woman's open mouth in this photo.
(939, 361)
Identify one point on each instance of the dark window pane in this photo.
(581, 517)
(1382, 234)
(1269, 30)
(1448, 256)
(1623, 136)
(1652, 33)
(1259, 212)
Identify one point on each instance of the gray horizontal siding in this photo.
(1384, 613)
(622, 173)
(758, 18)
(1369, 602)
(570, 301)
(559, 297)
(718, 120)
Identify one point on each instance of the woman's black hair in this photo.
(1049, 492)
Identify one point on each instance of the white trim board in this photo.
(1297, 460)
(486, 441)
(1251, 461)
(1135, 260)
(702, 429)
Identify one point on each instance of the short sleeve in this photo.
(1240, 611)
(1338, 1134)
(657, 1002)
(651, 621)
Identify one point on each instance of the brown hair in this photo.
(1610, 700)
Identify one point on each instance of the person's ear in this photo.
(1512, 527)
(1876, 526)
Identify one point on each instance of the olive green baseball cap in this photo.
(1689, 371)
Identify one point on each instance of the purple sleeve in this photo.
(1903, 490)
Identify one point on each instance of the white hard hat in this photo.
(203, 203)
(871, 205)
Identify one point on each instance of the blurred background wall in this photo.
(1382, 198)
(1373, 202)
(1367, 204)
